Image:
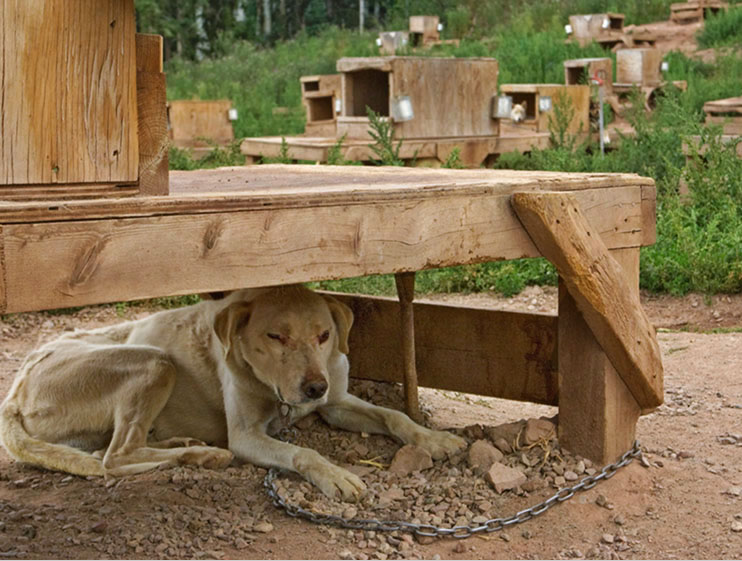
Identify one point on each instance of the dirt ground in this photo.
(685, 502)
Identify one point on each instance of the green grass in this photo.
(722, 30)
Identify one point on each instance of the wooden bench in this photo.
(240, 227)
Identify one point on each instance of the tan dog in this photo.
(228, 372)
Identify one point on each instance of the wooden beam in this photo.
(152, 116)
(80, 262)
(597, 412)
(596, 281)
(473, 350)
(406, 292)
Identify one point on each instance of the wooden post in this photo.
(406, 292)
(597, 413)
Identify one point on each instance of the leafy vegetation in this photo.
(382, 132)
(699, 233)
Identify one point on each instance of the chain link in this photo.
(491, 525)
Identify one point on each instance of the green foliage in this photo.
(335, 154)
(218, 156)
(284, 156)
(722, 29)
(559, 120)
(453, 160)
(382, 132)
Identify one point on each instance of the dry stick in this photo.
(406, 292)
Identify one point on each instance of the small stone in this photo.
(503, 445)
(736, 526)
(560, 481)
(580, 468)
(539, 429)
(460, 547)
(345, 554)
(601, 501)
(569, 475)
(410, 458)
(28, 531)
(306, 422)
(350, 512)
(424, 540)
(502, 477)
(685, 454)
(505, 537)
(240, 543)
(526, 534)
(608, 538)
(482, 455)
(263, 527)
(735, 491)
(619, 520)
(99, 527)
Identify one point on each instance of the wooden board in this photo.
(473, 350)
(191, 120)
(152, 116)
(583, 70)
(595, 281)
(293, 226)
(639, 66)
(68, 92)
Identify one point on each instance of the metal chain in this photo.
(491, 525)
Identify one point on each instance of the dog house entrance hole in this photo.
(367, 88)
(320, 109)
(311, 85)
(530, 100)
(577, 76)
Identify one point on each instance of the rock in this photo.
(345, 554)
(502, 477)
(482, 455)
(460, 547)
(508, 431)
(350, 512)
(569, 475)
(474, 432)
(424, 540)
(99, 527)
(735, 491)
(736, 526)
(685, 454)
(580, 467)
(503, 445)
(608, 538)
(306, 422)
(263, 527)
(505, 537)
(619, 520)
(560, 481)
(410, 458)
(539, 429)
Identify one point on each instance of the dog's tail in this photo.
(25, 448)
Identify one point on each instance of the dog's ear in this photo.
(343, 317)
(229, 320)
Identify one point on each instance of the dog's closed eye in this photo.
(278, 337)
(324, 336)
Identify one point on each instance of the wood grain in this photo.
(597, 412)
(152, 116)
(115, 258)
(607, 301)
(68, 92)
(191, 120)
(405, 283)
(472, 350)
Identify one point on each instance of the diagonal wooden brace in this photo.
(596, 282)
(406, 292)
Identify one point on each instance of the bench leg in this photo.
(406, 292)
(597, 413)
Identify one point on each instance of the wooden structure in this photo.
(539, 101)
(320, 96)
(727, 113)
(255, 226)
(200, 125)
(698, 10)
(582, 71)
(415, 93)
(389, 42)
(605, 29)
(424, 31)
(641, 67)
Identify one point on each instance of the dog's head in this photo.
(287, 336)
(518, 112)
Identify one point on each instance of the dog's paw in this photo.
(441, 444)
(336, 482)
(209, 457)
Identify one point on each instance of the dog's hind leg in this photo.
(138, 403)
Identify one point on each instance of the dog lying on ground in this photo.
(128, 398)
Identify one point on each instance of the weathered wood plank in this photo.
(68, 92)
(152, 116)
(473, 350)
(610, 307)
(101, 260)
(597, 412)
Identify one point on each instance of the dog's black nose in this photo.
(314, 389)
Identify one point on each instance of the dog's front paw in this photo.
(332, 480)
(441, 444)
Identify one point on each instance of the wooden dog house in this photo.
(111, 240)
(321, 98)
(582, 71)
(641, 67)
(605, 29)
(415, 94)
(727, 113)
(691, 12)
(539, 101)
(424, 31)
(199, 125)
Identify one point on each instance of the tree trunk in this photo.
(267, 18)
(361, 14)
